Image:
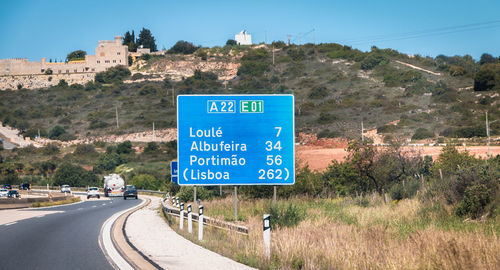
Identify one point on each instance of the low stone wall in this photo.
(42, 81)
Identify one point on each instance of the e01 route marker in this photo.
(235, 140)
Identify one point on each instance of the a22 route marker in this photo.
(236, 140)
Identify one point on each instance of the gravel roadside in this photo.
(150, 234)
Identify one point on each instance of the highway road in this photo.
(67, 239)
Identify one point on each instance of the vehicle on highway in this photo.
(13, 194)
(130, 191)
(113, 185)
(93, 192)
(4, 192)
(7, 186)
(24, 186)
(65, 188)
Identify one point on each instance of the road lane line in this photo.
(107, 246)
(12, 223)
(94, 206)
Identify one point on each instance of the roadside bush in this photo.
(145, 181)
(326, 133)
(108, 162)
(474, 202)
(409, 189)
(285, 216)
(50, 149)
(74, 176)
(186, 194)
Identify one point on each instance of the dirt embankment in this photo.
(178, 67)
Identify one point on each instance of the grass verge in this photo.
(51, 203)
(346, 233)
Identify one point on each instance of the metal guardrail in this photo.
(170, 210)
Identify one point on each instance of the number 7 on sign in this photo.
(279, 131)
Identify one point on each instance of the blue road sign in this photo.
(173, 168)
(175, 179)
(236, 140)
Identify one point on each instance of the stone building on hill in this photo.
(108, 53)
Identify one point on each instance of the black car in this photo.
(24, 186)
(130, 191)
(7, 186)
(12, 194)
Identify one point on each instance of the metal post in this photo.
(220, 190)
(190, 219)
(267, 234)
(274, 195)
(235, 203)
(177, 202)
(200, 223)
(181, 216)
(194, 195)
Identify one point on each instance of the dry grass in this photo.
(53, 203)
(339, 234)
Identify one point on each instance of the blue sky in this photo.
(53, 28)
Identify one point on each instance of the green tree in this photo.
(56, 132)
(487, 78)
(145, 181)
(124, 148)
(147, 40)
(129, 41)
(231, 42)
(487, 58)
(108, 162)
(74, 175)
(183, 47)
(76, 55)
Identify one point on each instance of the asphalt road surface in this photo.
(63, 240)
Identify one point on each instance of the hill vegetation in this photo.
(336, 87)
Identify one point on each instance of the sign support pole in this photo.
(235, 203)
(194, 195)
(274, 195)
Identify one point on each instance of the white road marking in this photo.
(40, 216)
(94, 206)
(103, 204)
(79, 208)
(12, 223)
(107, 245)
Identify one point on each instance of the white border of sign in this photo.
(242, 95)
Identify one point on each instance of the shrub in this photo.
(186, 194)
(386, 129)
(124, 148)
(456, 71)
(326, 118)
(422, 133)
(372, 61)
(145, 181)
(401, 191)
(318, 92)
(113, 74)
(75, 176)
(84, 149)
(487, 78)
(474, 202)
(183, 47)
(285, 216)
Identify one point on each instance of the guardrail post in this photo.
(200, 223)
(177, 202)
(190, 219)
(267, 234)
(181, 216)
(173, 201)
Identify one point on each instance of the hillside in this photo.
(335, 88)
